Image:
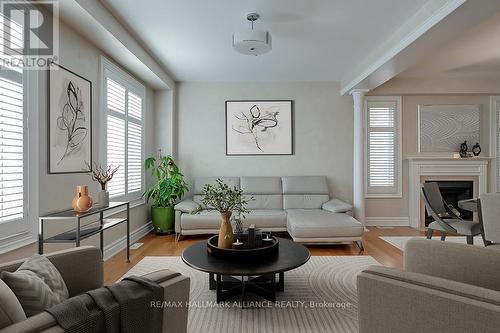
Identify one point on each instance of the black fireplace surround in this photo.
(453, 191)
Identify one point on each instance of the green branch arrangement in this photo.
(224, 199)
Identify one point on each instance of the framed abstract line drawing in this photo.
(259, 127)
(69, 121)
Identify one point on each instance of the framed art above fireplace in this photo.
(259, 127)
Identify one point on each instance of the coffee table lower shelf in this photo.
(228, 287)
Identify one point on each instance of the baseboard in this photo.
(121, 243)
(377, 221)
(14, 242)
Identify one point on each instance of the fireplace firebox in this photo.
(452, 192)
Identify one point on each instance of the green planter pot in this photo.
(163, 219)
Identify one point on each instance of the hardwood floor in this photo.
(155, 245)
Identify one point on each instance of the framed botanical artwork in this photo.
(69, 121)
(259, 127)
(442, 127)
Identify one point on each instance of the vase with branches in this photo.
(225, 200)
(102, 176)
(165, 192)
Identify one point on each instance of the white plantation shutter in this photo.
(124, 138)
(383, 154)
(12, 122)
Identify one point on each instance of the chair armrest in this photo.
(176, 299)
(420, 303)
(458, 262)
(81, 268)
(337, 206)
(42, 322)
(188, 206)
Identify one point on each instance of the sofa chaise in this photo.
(300, 205)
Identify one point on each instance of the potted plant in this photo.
(225, 200)
(102, 176)
(165, 192)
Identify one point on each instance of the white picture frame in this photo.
(69, 121)
(443, 127)
(259, 127)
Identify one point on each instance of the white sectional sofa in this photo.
(300, 205)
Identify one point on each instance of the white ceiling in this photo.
(475, 54)
(313, 40)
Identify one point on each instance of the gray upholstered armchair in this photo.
(82, 270)
(445, 287)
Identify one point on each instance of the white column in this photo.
(358, 155)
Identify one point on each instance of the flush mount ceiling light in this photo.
(252, 42)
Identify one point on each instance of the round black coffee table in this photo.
(230, 278)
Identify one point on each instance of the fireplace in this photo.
(453, 191)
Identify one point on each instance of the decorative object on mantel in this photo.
(102, 176)
(476, 149)
(441, 128)
(82, 201)
(463, 149)
(259, 128)
(69, 121)
(170, 186)
(225, 200)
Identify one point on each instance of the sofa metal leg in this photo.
(178, 237)
(360, 245)
(443, 235)
(429, 233)
(470, 240)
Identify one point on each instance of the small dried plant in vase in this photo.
(102, 176)
(225, 200)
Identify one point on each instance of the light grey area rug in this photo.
(319, 297)
(400, 241)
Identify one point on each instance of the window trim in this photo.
(495, 142)
(117, 74)
(399, 148)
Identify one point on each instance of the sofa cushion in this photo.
(318, 223)
(200, 182)
(309, 192)
(210, 219)
(37, 284)
(266, 191)
(205, 219)
(188, 206)
(337, 206)
(266, 218)
(11, 310)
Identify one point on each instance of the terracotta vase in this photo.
(82, 201)
(226, 231)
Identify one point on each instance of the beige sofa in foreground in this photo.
(445, 287)
(82, 270)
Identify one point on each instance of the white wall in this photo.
(323, 132)
(57, 191)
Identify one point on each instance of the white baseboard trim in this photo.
(16, 241)
(121, 243)
(377, 221)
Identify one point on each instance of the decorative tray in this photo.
(244, 253)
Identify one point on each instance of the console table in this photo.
(79, 232)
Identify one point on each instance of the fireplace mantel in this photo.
(421, 166)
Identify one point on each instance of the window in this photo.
(124, 104)
(383, 146)
(12, 133)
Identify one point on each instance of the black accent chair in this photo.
(446, 217)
